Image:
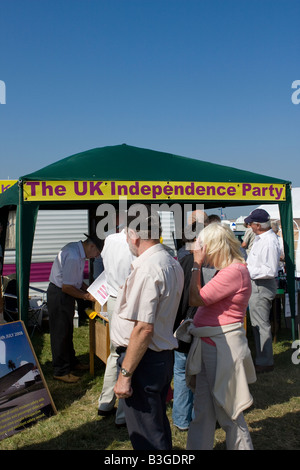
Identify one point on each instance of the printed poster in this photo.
(24, 396)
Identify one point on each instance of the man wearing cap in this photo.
(263, 267)
(66, 285)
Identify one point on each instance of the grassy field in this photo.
(273, 419)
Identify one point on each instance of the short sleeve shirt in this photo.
(68, 266)
(151, 294)
(225, 297)
(117, 259)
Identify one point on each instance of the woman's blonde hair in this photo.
(222, 247)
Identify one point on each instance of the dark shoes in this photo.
(110, 413)
(120, 425)
(106, 412)
(263, 369)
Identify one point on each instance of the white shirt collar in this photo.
(81, 250)
(140, 259)
(263, 234)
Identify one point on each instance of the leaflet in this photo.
(99, 290)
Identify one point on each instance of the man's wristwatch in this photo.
(195, 269)
(125, 372)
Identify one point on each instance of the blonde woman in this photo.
(219, 365)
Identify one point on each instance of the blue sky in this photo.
(207, 79)
(17, 346)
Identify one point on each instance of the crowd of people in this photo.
(174, 319)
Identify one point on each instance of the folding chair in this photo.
(37, 310)
(37, 305)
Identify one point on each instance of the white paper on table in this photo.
(98, 289)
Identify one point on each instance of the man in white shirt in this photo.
(66, 285)
(117, 259)
(142, 331)
(262, 264)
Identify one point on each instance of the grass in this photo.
(272, 419)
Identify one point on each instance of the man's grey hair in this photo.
(145, 221)
(264, 225)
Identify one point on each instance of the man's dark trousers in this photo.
(61, 313)
(145, 411)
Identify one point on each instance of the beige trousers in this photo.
(208, 412)
(107, 397)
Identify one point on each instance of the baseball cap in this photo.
(93, 237)
(258, 215)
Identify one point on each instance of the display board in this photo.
(24, 395)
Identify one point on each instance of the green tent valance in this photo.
(105, 174)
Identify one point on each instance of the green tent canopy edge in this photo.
(133, 164)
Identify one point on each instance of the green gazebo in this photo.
(104, 175)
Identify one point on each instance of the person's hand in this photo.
(88, 296)
(199, 253)
(123, 387)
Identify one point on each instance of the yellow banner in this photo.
(5, 184)
(151, 190)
